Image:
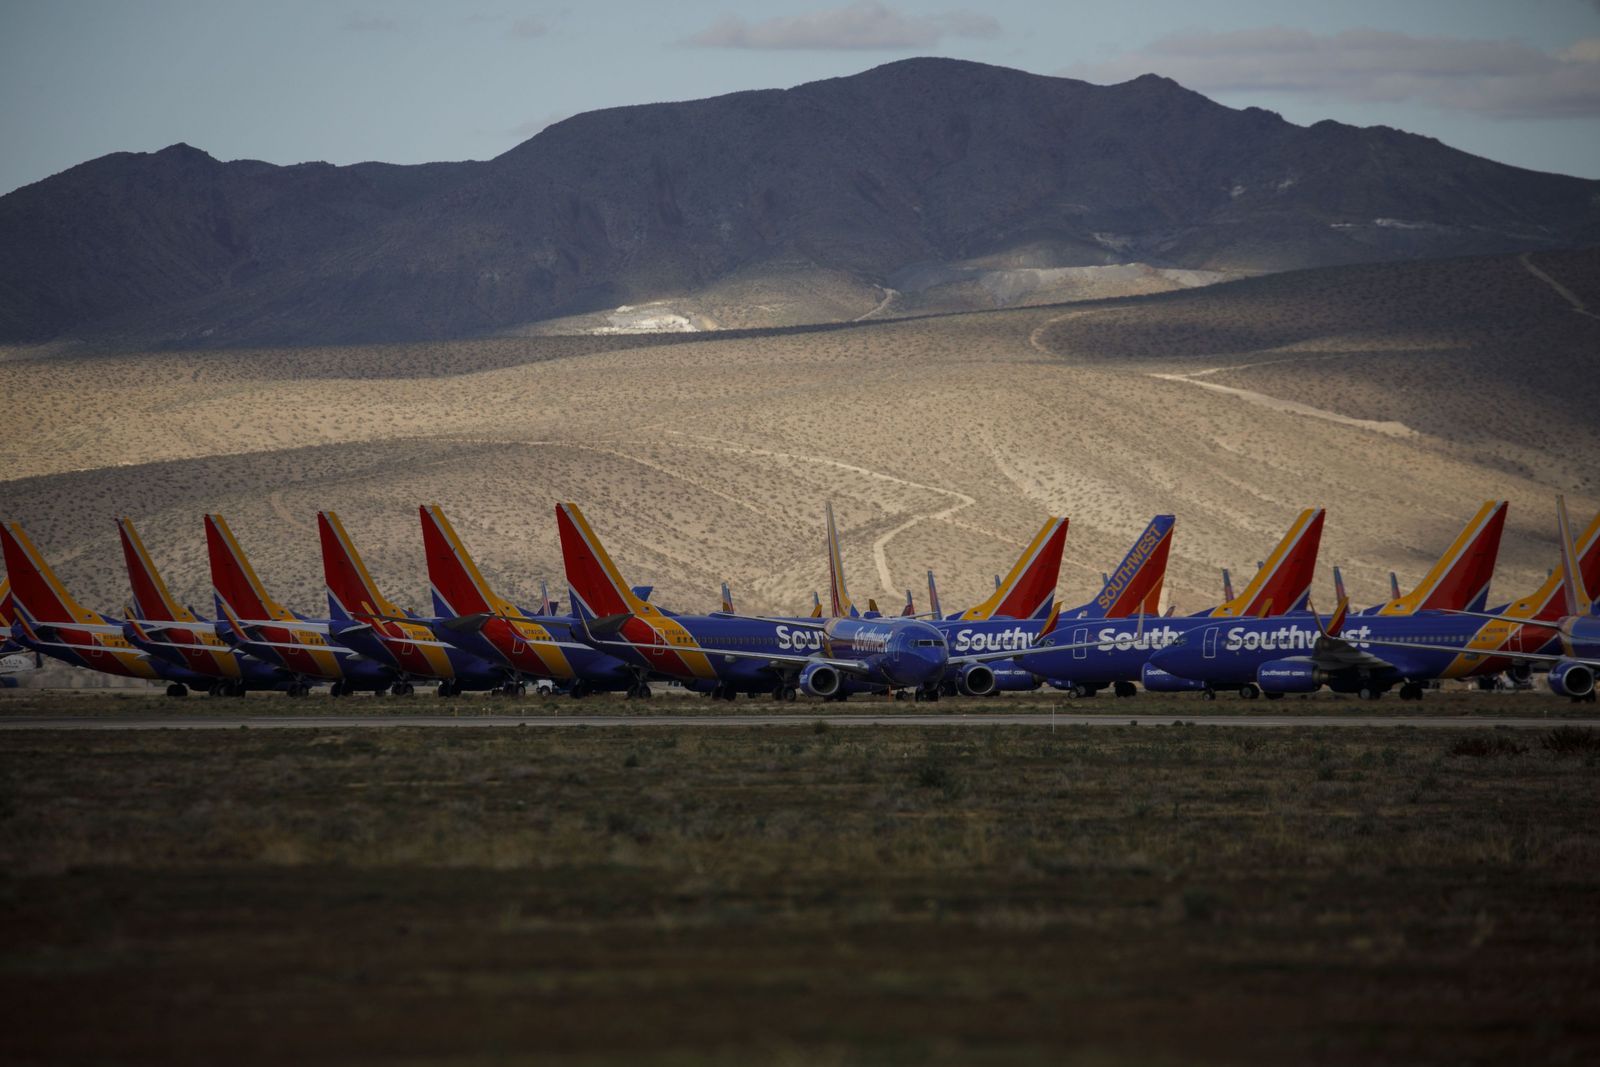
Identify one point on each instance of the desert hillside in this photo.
(1397, 396)
(921, 185)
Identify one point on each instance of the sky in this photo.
(409, 81)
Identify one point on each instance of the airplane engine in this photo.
(976, 680)
(820, 680)
(1583, 636)
(1156, 680)
(1014, 680)
(1519, 672)
(1289, 676)
(1570, 679)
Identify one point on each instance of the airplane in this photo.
(1090, 654)
(1134, 587)
(1026, 593)
(250, 620)
(1364, 654)
(727, 599)
(475, 619)
(1459, 579)
(157, 624)
(48, 620)
(724, 655)
(384, 633)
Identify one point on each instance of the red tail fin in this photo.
(1460, 579)
(1029, 590)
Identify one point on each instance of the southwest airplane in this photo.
(50, 621)
(474, 618)
(999, 624)
(252, 621)
(725, 655)
(1371, 654)
(1086, 658)
(363, 619)
(167, 630)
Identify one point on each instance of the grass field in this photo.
(805, 894)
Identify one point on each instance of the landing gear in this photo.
(337, 689)
(402, 689)
(298, 690)
(1208, 693)
(177, 689)
(640, 691)
(1411, 691)
(448, 688)
(1249, 691)
(513, 689)
(1125, 689)
(578, 690)
(1368, 692)
(901, 694)
(927, 695)
(1079, 691)
(783, 692)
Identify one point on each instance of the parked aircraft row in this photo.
(1266, 640)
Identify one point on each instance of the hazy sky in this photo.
(408, 81)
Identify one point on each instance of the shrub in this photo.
(1485, 747)
(1570, 740)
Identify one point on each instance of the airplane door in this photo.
(658, 643)
(1211, 643)
(1080, 637)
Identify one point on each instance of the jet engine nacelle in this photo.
(820, 680)
(1288, 676)
(1519, 672)
(1571, 679)
(1156, 680)
(976, 680)
(1013, 680)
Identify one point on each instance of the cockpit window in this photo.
(930, 642)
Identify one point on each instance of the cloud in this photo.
(364, 23)
(1500, 79)
(864, 25)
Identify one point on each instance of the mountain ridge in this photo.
(922, 161)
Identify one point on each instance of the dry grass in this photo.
(1107, 895)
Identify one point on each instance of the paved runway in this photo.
(347, 722)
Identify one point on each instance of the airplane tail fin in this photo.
(1394, 586)
(838, 596)
(1550, 600)
(459, 588)
(1227, 586)
(1134, 588)
(933, 597)
(1459, 581)
(350, 584)
(816, 605)
(151, 598)
(546, 605)
(598, 589)
(1028, 592)
(238, 589)
(910, 610)
(727, 599)
(1338, 585)
(1283, 582)
(36, 592)
(1575, 593)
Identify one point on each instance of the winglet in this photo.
(1335, 622)
(838, 596)
(1227, 585)
(727, 599)
(910, 610)
(816, 605)
(1338, 584)
(1029, 590)
(1577, 597)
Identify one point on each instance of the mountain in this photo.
(849, 185)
